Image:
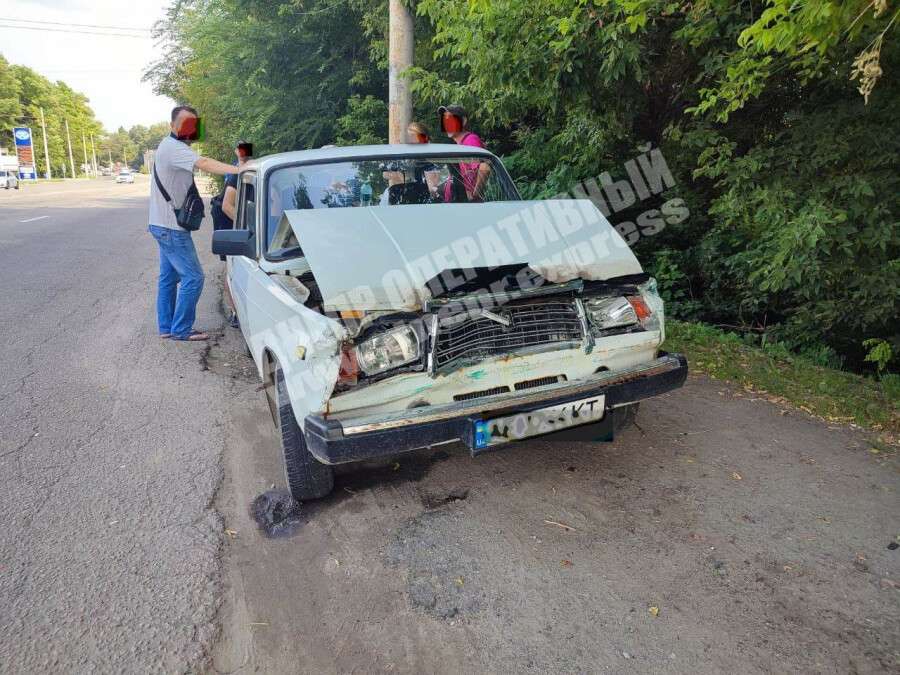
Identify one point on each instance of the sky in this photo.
(106, 68)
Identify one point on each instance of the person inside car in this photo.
(244, 152)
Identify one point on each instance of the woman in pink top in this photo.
(474, 174)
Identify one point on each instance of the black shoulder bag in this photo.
(190, 215)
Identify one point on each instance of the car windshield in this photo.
(389, 181)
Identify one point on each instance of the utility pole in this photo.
(94, 156)
(84, 150)
(46, 151)
(400, 57)
(71, 160)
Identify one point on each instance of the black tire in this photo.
(624, 417)
(307, 477)
(270, 386)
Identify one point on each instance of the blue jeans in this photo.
(180, 281)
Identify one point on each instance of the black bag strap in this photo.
(160, 186)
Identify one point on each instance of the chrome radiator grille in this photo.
(531, 324)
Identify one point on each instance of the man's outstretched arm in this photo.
(214, 166)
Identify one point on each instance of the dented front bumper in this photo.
(334, 441)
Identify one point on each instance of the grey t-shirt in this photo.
(174, 164)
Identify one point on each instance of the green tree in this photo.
(790, 175)
(10, 105)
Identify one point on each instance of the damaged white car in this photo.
(402, 297)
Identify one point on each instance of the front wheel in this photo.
(306, 476)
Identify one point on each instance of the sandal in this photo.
(194, 336)
(166, 336)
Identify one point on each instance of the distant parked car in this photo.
(8, 179)
(125, 176)
(106, 171)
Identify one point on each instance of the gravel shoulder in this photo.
(722, 534)
(759, 534)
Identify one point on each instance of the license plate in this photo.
(536, 422)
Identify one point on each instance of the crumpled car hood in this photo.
(380, 257)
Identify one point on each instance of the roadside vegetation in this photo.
(774, 373)
(24, 92)
(777, 119)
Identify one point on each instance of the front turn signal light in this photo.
(640, 307)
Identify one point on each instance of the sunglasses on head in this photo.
(451, 123)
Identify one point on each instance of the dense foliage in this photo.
(777, 120)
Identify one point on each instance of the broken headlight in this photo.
(644, 310)
(606, 313)
(388, 350)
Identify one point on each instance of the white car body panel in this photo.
(413, 389)
(304, 342)
(406, 246)
(350, 250)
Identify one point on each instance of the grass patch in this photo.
(833, 395)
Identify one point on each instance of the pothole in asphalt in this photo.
(276, 513)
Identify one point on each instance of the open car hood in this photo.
(381, 257)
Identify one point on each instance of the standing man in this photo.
(455, 122)
(180, 273)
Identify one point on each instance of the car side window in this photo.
(246, 203)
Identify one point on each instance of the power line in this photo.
(88, 70)
(83, 32)
(77, 25)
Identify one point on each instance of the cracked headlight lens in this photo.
(388, 350)
(606, 313)
(644, 310)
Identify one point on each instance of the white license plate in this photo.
(536, 422)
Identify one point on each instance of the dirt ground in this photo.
(722, 534)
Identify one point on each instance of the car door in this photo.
(240, 268)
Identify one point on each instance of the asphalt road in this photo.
(110, 444)
(723, 534)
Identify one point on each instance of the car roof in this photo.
(335, 153)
